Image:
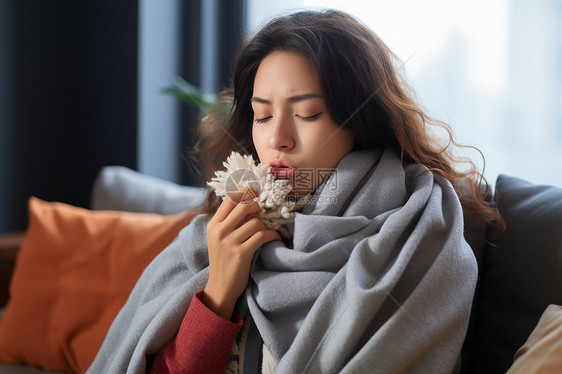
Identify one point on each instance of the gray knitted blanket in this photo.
(379, 279)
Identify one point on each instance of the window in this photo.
(491, 69)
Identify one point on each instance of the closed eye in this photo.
(311, 118)
(261, 120)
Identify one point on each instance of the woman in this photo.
(377, 276)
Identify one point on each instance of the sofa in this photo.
(519, 270)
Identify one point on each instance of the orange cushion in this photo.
(74, 272)
(542, 352)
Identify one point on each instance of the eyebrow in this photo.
(292, 99)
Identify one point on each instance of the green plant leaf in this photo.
(190, 94)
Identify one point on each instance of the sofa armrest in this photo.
(10, 244)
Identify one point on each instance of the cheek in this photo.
(323, 138)
(330, 152)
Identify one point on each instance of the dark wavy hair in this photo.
(365, 92)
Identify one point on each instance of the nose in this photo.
(281, 136)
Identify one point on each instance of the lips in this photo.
(281, 169)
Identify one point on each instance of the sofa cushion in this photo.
(521, 275)
(120, 188)
(542, 352)
(74, 272)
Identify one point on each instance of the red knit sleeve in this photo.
(202, 345)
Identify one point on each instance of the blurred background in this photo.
(81, 83)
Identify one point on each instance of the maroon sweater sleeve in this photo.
(202, 345)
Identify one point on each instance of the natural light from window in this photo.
(491, 69)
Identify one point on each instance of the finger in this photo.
(240, 235)
(239, 215)
(260, 238)
(243, 196)
(223, 210)
(231, 201)
(248, 229)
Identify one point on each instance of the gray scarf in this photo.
(379, 279)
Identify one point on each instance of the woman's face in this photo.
(293, 131)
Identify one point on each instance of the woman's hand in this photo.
(232, 240)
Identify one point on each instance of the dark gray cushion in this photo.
(522, 275)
